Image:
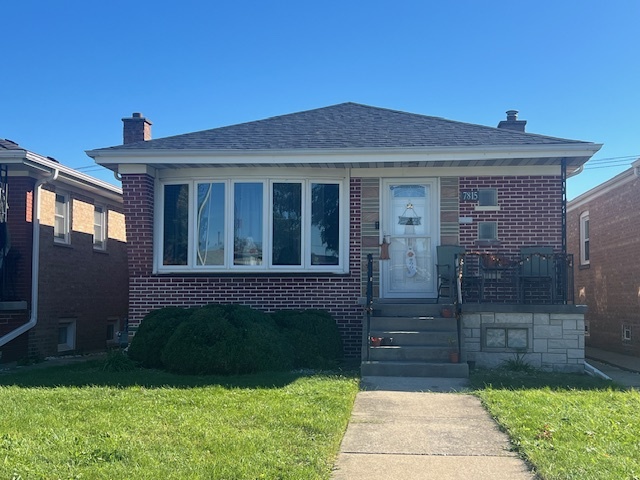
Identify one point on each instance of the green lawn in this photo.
(82, 422)
(567, 426)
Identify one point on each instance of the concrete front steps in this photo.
(416, 342)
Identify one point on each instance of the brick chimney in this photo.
(512, 122)
(136, 129)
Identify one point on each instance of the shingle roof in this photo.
(346, 126)
(6, 144)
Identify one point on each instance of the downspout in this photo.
(35, 262)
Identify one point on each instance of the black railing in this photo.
(528, 278)
(369, 305)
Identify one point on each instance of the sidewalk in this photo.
(622, 369)
(406, 428)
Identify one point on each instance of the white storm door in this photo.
(411, 228)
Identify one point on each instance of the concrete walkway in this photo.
(622, 369)
(406, 428)
(416, 428)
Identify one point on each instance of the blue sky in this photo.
(72, 69)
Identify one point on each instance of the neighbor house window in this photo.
(584, 239)
(61, 219)
(271, 224)
(99, 228)
(66, 335)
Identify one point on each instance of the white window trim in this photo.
(104, 228)
(71, 335)
(584, 218)
(66, 217)
(266, 267)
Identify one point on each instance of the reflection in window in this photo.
(325, 224)
(287, 226)
(176, 221)
(210, 224)
(247, 224)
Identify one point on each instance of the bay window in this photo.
(252, 225)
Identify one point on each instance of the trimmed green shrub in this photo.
(117, 361)
(226, 339)
(154, 333)
(313, 335)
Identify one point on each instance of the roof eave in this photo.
(160, 156)
(42, 167)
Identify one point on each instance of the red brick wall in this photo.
(530, 212)
(610, 285)
(336, 293)
(77, 282)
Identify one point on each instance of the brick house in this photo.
(63, 270)
(603, 236)
(284, 212)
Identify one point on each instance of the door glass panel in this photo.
(287, 225)
(247, 224)
(410, 271)
(210, 224)
(410, 266)
(325, 224)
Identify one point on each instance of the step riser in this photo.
(410, 354)
(413, 324)
(427, 339)
(409, 310)
(442, 370)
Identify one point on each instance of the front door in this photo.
(410, 226)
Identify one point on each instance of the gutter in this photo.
(35, 262)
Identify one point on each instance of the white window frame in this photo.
(100, 243)
(70, 344)
(66, 220)
(267, 225)
(584, 239)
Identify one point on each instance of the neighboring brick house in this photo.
(282, 212)
(603, 236)
(73, 226)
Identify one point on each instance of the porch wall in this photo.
(555, 336)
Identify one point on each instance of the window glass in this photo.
(488, 197)
(99, 229)
(487, 231)
(176, 224)
(61, 221)
(325, 223)
(584, 239)
(287, 224)
(210, 224)
(247, 224)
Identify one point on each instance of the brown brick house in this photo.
(283, 213)
(603, 236)
(63, 271)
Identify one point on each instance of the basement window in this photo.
(66, 335)
(626, 333)
(506, 338)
